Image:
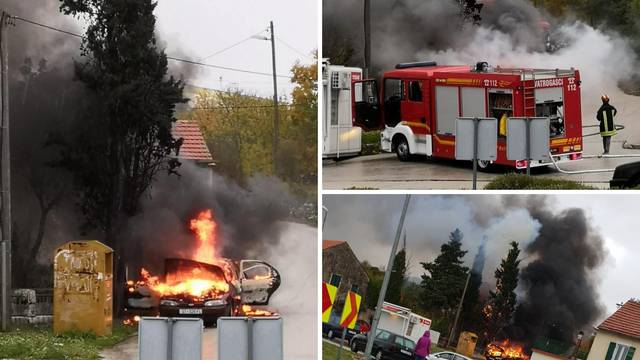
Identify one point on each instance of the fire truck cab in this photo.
(418, 105)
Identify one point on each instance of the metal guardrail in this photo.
(42, 306)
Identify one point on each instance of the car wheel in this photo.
(330, 334)
(354, 347)
(378, 355)
(484, 165)
(402, 149)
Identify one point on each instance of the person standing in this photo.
(423, 347)
(605, 116)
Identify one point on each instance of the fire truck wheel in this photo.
(402, 148)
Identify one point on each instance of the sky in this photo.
(195, 29)
(369, 222)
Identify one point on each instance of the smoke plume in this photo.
(48, 105)
(561, 252)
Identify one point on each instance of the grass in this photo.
(523, 182)
(330, 352)
(38, 342)
(371, 142)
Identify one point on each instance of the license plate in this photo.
(190, 311)
(405, 352)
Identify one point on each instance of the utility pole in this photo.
(276, 111)
(367, 38)
(455, 322)
(6, 179)
(385, 281)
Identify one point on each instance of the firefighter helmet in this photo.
(605, 98)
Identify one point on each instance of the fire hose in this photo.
(576, 172)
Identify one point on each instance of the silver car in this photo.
(447, 355)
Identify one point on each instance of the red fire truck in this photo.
(419, 103)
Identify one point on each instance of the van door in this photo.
(258, 280)
(366, 105)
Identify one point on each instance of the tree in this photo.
(444, 281)
(397, 278)
(502, 302)
(376, 275)
(126, 138)
(297, 157)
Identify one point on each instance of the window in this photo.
(335, 280)
(620, 352)
(393, 95)
(399, 341)
(355, 288)
(334, 106)
(383, 335)
(257, 272)
(415, 90)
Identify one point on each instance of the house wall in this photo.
(341, 260)
(601, 344)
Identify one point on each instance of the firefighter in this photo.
(605, 116)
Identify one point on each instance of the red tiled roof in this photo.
(625, 321)
(193, 146)
(331, 243)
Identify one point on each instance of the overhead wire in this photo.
(168, 57)
(232, 46)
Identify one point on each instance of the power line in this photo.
(168, 57)
(232, 46)
(293, 48)
(225, 67)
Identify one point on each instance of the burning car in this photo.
(206, 286)
(505, 350)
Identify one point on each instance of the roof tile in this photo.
(193, 147)
(625, 321)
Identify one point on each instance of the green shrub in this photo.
(524, 182)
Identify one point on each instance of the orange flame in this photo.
(249, 311)
(506, 350)
(195, 282)
(205, 229)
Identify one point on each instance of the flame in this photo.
(205, 229)
(195, 282)
(249, 311)
(131, 321)
(506, 350)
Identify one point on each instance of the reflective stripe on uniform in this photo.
(607, 131)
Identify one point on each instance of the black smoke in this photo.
(249, 218)
(402, 28)
(559, 290)
(48, 107)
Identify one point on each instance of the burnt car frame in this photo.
(250, 282)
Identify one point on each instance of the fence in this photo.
(32, 305)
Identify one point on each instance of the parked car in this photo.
(331, 330)
(386, 345)
(626, 176)
(448, 355)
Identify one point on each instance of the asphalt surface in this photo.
(295, 257)
(385, 171)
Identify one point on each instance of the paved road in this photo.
(384, 171)
(295, 256)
